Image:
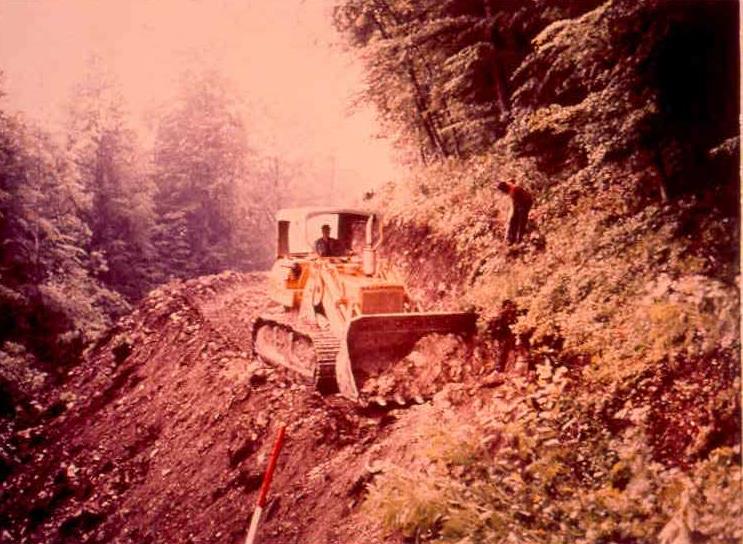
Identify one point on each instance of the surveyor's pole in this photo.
(267, 477)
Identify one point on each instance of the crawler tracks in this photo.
(310, 351)
(282, 339)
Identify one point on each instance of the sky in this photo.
(283, 57)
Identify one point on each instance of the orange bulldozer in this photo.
(344, 316)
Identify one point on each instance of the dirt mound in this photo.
(435, 361)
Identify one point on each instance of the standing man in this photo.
(518, 213)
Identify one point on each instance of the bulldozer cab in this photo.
(299, 228)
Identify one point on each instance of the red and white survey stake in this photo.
(267, 477)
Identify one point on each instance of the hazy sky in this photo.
(281, 55)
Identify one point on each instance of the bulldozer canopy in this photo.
(298, 228)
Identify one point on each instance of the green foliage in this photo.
(110, 168)
(411, 504)
(601, 233)
(455, 200)
(83, 224)
(627, 279)
(676, 326)
(439, 73)
(213, 209)
(18, 379)
(541, 468)
(49, 300)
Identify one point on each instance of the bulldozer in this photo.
(342, 317)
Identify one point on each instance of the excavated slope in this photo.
(163, 431)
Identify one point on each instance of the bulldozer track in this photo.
(326, 348)
(319, 367)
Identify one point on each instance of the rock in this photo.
(81, 521)
(249, 480)
(122, 350)
(258, 378)
(238, 453)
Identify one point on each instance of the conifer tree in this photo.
(211, 204)
(109, 163)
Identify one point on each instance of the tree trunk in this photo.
(419, 97)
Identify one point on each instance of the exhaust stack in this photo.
(369, 256)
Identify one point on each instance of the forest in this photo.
(612, 413)
(93, 220)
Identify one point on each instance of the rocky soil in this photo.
(436, 360)
(162, 434)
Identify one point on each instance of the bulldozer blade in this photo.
(373, 342)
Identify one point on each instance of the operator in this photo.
(518, 213)
(327, 246)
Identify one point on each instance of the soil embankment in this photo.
(162, 434)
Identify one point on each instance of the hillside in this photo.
(622, 124)
(160, 435)
(630, 266)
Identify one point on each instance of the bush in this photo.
(535, 464)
